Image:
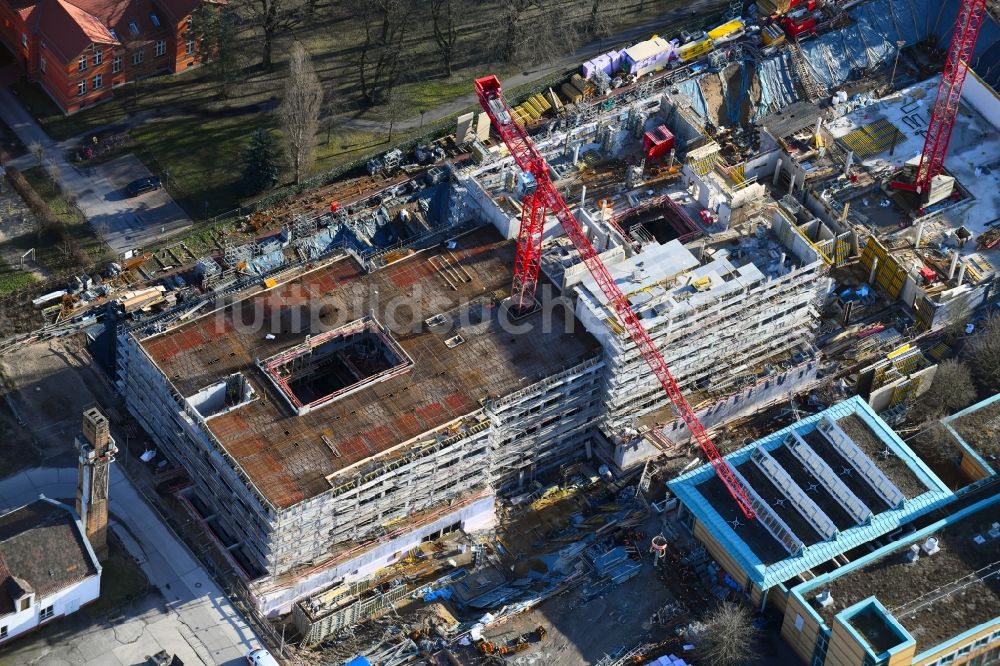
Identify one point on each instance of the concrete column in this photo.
(777, 172)
(781, 264)
(920, 232)
(849, 162)
(961, 274)
(576, 154)
(819, 124)
(871, 275)
(583, 195)
(954, 265)
(791, 185)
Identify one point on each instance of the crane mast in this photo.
(541, 196)
(945, 111)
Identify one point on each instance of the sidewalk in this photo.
(206, 626)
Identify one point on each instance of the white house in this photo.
(47, 567)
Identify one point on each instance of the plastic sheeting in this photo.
(868, 43)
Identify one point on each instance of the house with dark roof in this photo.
(47, 567)
(80, 51)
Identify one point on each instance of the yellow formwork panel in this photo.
(841, 249)
(889, 275)
(871, 139)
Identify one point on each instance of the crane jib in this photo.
(527, 263)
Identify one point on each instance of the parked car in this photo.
(140, 185)
(261, 657)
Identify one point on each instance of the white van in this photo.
(261, 657)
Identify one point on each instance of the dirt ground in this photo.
(16, 220)
(46, 386)
(718, 99)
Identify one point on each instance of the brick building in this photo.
(79, 51)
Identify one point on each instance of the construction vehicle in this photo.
(540, 196)
(926, 179)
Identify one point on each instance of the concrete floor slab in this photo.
(975, 144)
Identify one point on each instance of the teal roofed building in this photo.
(931, 598)
(822, 488)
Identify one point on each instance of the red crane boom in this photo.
(945, 111)
(543, 196)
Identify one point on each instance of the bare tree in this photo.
(445, 30)
(213, 29)
(950, 390)
(512, 22)
(394, 110)
(299, 111)
(533, 31)
(728, 636)
(604, 16)
(982, 351)
(935, 446)
(386, 23)
(273, 17)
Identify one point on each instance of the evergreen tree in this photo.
(260, 162)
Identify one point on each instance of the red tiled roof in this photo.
(118, 14)
(68, 29)
(178, 9)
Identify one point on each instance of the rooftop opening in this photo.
(232, 392)
(335, 364)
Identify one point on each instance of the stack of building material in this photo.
(142, 299)
(532, 109)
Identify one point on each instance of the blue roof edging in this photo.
(802, 590)
(947, 421)
(905, 637)
(766, 576)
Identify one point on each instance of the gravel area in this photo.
(890, 464)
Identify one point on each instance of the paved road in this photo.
(198, 623)
(126, 223)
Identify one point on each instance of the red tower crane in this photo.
(963, 42)
(541, 196)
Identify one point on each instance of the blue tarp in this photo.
(358, 661)
(869, 42)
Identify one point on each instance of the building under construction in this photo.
(372, 388)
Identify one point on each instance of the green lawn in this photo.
(12, 279)
(201, 157)
(193, 133)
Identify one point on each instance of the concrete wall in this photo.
(982, 98)
(768, 391)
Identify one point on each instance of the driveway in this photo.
(196, 621)
(127, 223)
